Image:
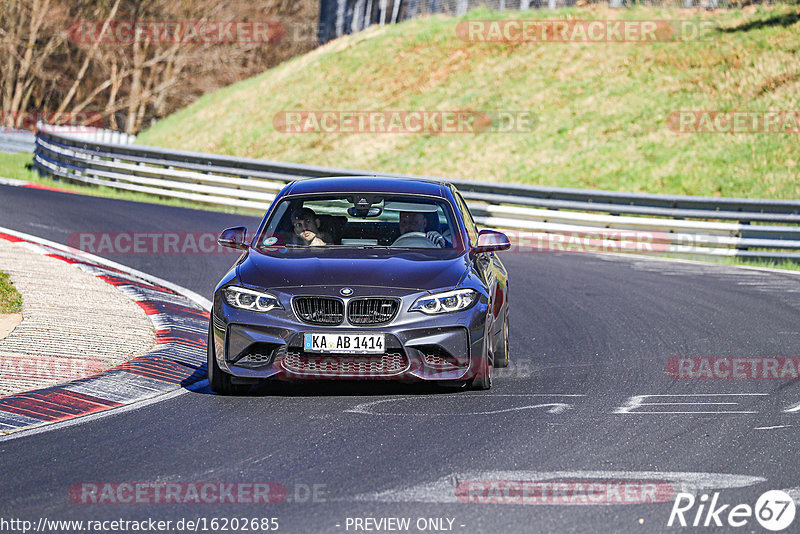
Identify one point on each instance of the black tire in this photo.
(218, 380)
(483, 380)
(501, 356)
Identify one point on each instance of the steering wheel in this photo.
(413, 240)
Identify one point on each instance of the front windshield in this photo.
(361, 220)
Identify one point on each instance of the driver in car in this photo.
(306, 228)
(413, 221)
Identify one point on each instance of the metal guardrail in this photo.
(548, 217)
(87, 133)
(12, 141)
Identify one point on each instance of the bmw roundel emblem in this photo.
(346, 291)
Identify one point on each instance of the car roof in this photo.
(367, 184)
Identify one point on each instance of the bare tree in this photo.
(28, 38)
(130, 82)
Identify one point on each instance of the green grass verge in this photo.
(602, 108)
(14, 166)
(10, 299)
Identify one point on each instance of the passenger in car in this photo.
(307, 230)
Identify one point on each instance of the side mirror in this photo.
(233, 237)
(490, 241)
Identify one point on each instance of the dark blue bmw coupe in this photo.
(362, 278)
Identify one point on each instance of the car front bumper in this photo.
(445, 347)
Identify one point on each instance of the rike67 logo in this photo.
(774, 511)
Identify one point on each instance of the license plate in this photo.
(344, 343)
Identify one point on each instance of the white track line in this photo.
(191, 295)
(47, 427)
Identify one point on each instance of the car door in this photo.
(488, 267)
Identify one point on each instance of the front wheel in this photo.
(501, 356)
(483, 379)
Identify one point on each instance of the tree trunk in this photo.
(340, 8)
(383, 11)
(136, 88)
(112, 96)
(358, 16)
(395, 10)
(368, 15)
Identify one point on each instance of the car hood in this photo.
(420, 269)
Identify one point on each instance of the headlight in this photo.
(248, 299)
(447, 302)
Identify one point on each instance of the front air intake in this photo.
(372, 310)
(319, 310)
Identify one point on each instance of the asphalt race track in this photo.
(590, 335)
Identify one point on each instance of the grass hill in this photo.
(602, 108)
